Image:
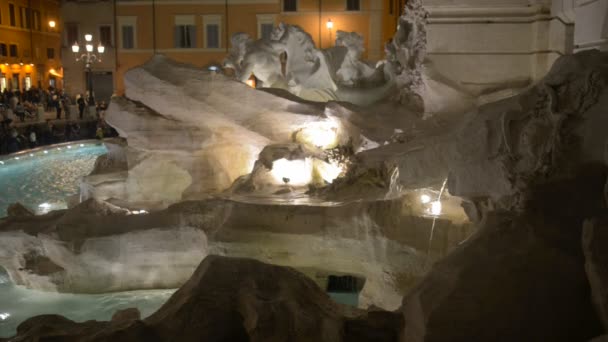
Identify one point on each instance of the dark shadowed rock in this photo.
(246, 300)
(40, 265)
(595, 246)
(603, 338)
(506, 284)
(18, 210)
(231, 300)
(126, 315)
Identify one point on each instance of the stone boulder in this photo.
(232, 300)
(595, 242)
(18, 210)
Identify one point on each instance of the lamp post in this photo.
(89, 57)
(330, 25)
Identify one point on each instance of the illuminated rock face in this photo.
(187, 136)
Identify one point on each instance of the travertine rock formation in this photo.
(595, 238)
(233, 300)
(96, 248)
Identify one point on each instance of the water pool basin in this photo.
(42, 179)
(18, 304)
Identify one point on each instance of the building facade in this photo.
(95, 17)
(198, 31)
(30, 44)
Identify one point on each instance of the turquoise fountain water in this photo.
(44, 178)
(18, 304)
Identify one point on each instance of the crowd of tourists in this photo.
(23, 125)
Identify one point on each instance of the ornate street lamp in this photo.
(330, 25)
(89, 57)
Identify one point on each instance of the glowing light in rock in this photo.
(16, 158)
(292, 172)
(31, 154)
(323, 135)
(44, 208)
(1, 162)
(138, 212)
(425, 199)
(4, 316)
(436, 208)
(328, 171)
(46, 152)
(69, 146)
(81, 145)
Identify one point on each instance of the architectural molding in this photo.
(592, 43)
(581, 3)
(484, 12)
(475, 53)
(195, 2)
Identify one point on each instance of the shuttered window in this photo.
(127, 37)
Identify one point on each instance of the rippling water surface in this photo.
(18, 304)
(42, 180)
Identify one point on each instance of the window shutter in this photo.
(213, 36)
(177, 36)
(192, 32)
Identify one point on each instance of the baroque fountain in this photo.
(444, 216)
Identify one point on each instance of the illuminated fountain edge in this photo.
(78, 143)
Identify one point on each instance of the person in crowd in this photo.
(6, 121)
(57, 105)
(13, 101)
(99, 133)
(20, 111)
(81, 104)
(13, 143)
(65, 104)
(32, 137)
(47, 134)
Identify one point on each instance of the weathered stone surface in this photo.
(18, 210)
(595, 243)
(503, 283)
(130, 314)
(506, 284)
(233, 300)
(603, 338)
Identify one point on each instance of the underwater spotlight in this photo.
(425, 199)
(436, 208)
(293, 172)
